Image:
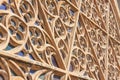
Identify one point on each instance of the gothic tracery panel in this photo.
(59, 40)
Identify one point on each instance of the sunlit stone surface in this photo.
(59, 40)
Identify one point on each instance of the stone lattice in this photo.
(59, 40)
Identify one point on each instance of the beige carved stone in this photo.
(59, 40)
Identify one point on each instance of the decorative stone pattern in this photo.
(59, 40)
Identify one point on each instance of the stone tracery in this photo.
(59, 40)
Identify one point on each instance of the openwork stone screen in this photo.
(59, 40)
